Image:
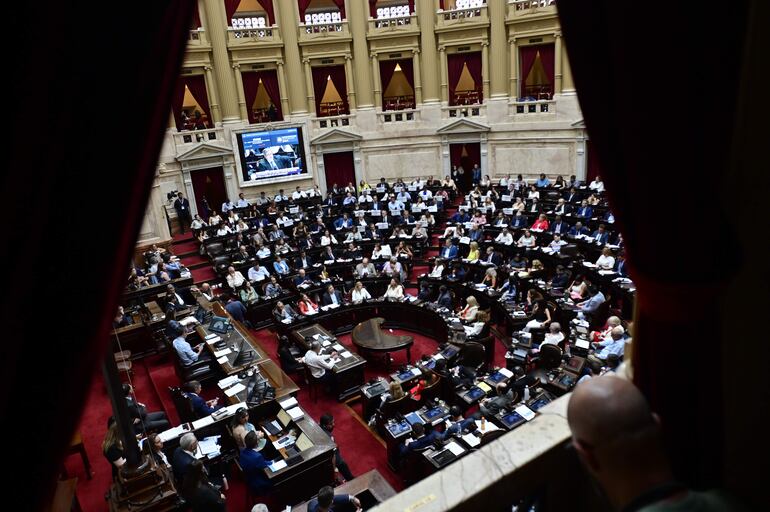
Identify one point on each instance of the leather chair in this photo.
(473, 355)
(215, 249)
(432, 391)
(488, 437)
(414, 467)
(182, 404)
(550, 357)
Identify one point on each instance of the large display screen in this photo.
(272, 154)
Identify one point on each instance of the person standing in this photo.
(182, 207)
(340, 466)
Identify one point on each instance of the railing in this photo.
(530, 7)
(332, 121)
(461, 14)
(197, 37)
(463, 111)
(246, 33)
(519, 108)
(397, 21)
(398, 116)
(196, 136)
(318, 28)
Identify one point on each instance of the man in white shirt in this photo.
(234, 278)
(504, 237)
(317, 363)
(258, 273)
(227, 206)
(404, 197)
(426, 194)
(298, 194)
(365, 269)
(395, 205)
(242, 202)
(597, 185)
(554, 336)
(504, 180)
(280, 196)
(262, 199)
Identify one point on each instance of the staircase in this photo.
(186, 248)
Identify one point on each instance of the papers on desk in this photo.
(296, 413)
(227, 381)
(438, 356)
(606, 272)
(455, 448)
(416, 372)
(223, 352)
(235, 389)
(222, 360)
(488, 426)
(288, 403)
(208, 447)
(345, 354)
(188, 321)
(204, 422)
(589, 264)
(338, 347)
(330, 306)
(471, 440)
(213, 339)
(277, 465)
(582, 343)
(505, 371)
(465, 240)
(326, 343)
(283, 442)
(212, 335)
(172, 433)
(525, 412)
(286, 321)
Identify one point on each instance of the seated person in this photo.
(480, 327)
(283, 312)
(444, 297)
(457, 274)
(490, 278)
(352, 252)
(302, 278)
(604, 349)
(428, 379)
(604, 333)
(606, 261)
(503, 400)
(332, 296)
(121, 319)
(144, 421)
(280, 266)
(394, 291)
(541, 224)
(273, 288)
(198, 492)
(365, 268)
(600, 236)
(449, 251)
(457, 424)
(578, 230)
(438, 268)
(561, 278)
(473, 252)
(554, 336)
(289, 360)
(200, 407)
(423, 436)
(468, 313)
(359, 293)
(303, 261)
(556, 244)
(258, 273)
(504, 237)
(240, 426)
(425, 292)
(596, 299)
(393, 268)
(319, 364)
(187, 355)
(328, 502)
(527, 240)
(248, 294)
(253, 464)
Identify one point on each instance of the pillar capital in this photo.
(279, 62)
(236, 65)
(484, 44)
(416, 51)
(348, 56)
(557, 34)
(305, 60)
(373, 55)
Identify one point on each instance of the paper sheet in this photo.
(277, 465)
(235, 389)
(346, 354)
(288, 403)
(223, 352)
(455, 448)
(525, 412)
(471, 440)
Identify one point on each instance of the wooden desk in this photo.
(348, 372)
(370, 488)
(369, 337)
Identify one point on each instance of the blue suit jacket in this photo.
(253, 464)
(199, 405)
(559, 228)
(620, 268)
(520, 222)
(603, 238)
(421, 443)
(338, 500)
(445, 301)
(180, 463)
(573, 231)
(585, 211)
(452, 253)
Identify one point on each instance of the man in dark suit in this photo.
(600, 236)
(519, 221)
(558, 226)
(183, 456)
(303, 261)
(449, 251)
(273, 161)
(182, 207)
(331, 296)
(328, 502)
(253, 464)
(585, 211)
(492, 257)
(444, 297)
(571, 195)
(421, 439)
(142, 419)
(200, 406)
(620, 265)
(578, 229)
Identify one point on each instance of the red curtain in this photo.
(267, 5)
(303, 5)
(65, 363)
(473, 60)
(473, 149)
(270, 81)
(251, 86)
(341, 6)
(340, 82)
(196, 19)
(593, 168)
(677, 329)
(411, 6)
(547, 57)
(230, 7)
(197, 86)
(387, 68)
(373, 9)
(320, 76)
(455, 64)
(177, 102)
(527, 55)
(339, 169)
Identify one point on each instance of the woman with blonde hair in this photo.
(468, 313)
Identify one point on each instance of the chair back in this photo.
(215, 249)
(472, 355)
(488, 437)
(432, 391)
(550, 356)
(182, 404)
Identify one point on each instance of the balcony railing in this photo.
(245, 36)
(325, 32)
(197, 37)
(463, 111)
(518, 8)
(532, 108)
(187, 137)
(320, 123)
(398, 116)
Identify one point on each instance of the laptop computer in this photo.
(284, 418)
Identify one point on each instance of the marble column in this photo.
(357, 13)
(377, 80)
(284, 92)
(444, 78)
(514, 83)
(417, 80)
(485, 69)
(558, 56)
(350, 83)
(242, 108)
(498, 69)
(309, 86)
(217, 33)
(426, 13)
(287, 15)
(211, 89)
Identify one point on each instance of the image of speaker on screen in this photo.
(271, 154)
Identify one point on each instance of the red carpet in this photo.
(185, 247)
(203, 274)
